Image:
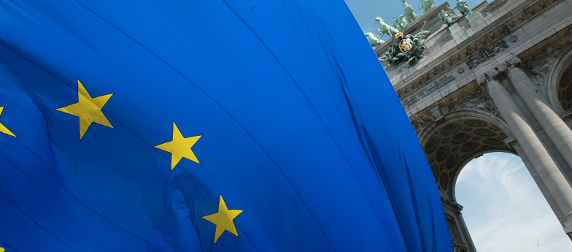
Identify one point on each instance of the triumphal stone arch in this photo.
(498, 78)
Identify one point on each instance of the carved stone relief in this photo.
(458, 244)
(538, 67)
(476, 100)
(485, 53)
(420, 124)
(513, 38)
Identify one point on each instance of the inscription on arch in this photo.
(424, 92)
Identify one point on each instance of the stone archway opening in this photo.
(457, 141)
(503, 208)
(449, 145)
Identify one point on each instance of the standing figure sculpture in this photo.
(427, 4)
(463, 7)
(446, 17)
(373, 39)
(385, 28)
(402, 21)
(397, 25)
(409, 12)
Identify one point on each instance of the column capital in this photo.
(482, 79)
(488, 76)
(511, 63)
(502, 68)
(568, 224)
(492, 73)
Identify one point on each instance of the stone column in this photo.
(554, 180)
(553, 125)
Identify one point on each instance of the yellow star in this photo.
(2, 249)
(3, 128)
(180, 147)
(223, 219)
(88, 109)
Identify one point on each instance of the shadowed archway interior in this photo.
(564, 88)
(453, 144)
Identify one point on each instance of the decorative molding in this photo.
(459, 246)
(420, 124)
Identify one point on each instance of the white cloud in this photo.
(504, 209)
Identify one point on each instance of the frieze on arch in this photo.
(478, 99)
(472, 97)
(549, 66)
(541, 61)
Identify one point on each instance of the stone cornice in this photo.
(459, 50)
(414, 81)
(456, 49)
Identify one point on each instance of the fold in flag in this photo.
(108, 106)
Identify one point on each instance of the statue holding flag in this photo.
(409, 12)
(445, 16)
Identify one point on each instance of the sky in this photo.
(503, 208)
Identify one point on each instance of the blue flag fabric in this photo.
(224, 125)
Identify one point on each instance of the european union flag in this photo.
(223, 125)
